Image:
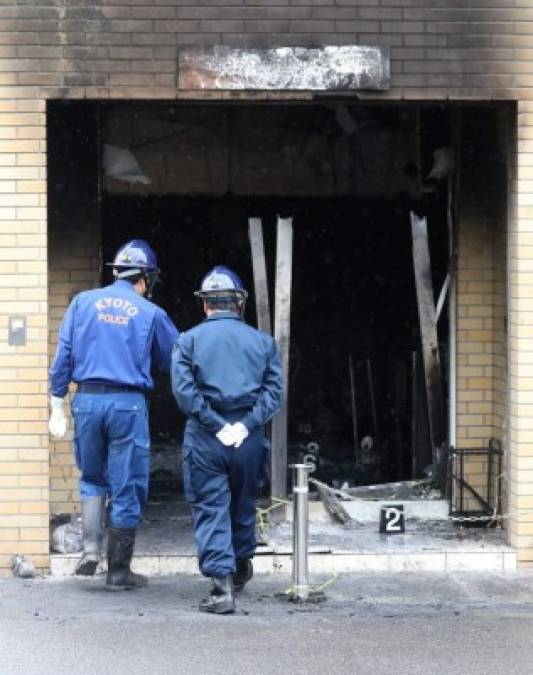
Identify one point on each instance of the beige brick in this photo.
(9, 508)
(22, 119)
(41, 480)
(28, 547)
(31, 240)
(19, 520)
(20, 146)
(37, 534)
(31, 213)
(11, 535)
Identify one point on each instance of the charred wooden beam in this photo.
(262, 304)
(430, 343)
(331, 502)
(282, 331)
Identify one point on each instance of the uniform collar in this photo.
(121, 283)
(223, 315)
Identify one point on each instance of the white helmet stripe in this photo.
(127, 273)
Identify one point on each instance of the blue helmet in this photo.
(135, 258)
(136, 254)
(222, 283)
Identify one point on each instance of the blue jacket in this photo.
(110, 335)
(223, 365)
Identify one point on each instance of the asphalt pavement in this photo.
(370, 623)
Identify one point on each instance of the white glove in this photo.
(240, 433)
(58, 423)
(226, 435)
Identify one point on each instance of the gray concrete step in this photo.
(165, 545)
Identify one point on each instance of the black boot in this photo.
(220, 600)
(119, 553)
(243, 573)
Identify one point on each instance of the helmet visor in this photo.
(223, 294)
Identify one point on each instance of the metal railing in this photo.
(475, 504)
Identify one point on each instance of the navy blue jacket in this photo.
(223, 365)
(111, 334)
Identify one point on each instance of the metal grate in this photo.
(475, 504)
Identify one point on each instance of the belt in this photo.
(225, 410)
(95, 388)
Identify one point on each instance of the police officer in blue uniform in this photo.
(107, 342)
(226, 377)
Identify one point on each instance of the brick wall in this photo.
(481, 366)
(481, 293)
(520, 289)
(440, 49)
(24, 492)
(476, 337)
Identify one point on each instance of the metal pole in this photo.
(372, 400)
(414, 413)
(354, 408)
(300, 532)
(490, 455)
(462, 482)
(453, 221)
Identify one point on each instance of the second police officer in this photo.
(226, 377)
(107, 342)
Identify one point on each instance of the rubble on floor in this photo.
(165, 467)
(67, 533)
(423, 488)
(22, 567)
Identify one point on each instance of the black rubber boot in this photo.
(243, 573)
(220, 600)
(92, 509)
(119, 553)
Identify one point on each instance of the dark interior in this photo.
(353, 283)
(353, 293)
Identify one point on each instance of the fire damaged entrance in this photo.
(354, 322)
(348, 177)
(188, 178)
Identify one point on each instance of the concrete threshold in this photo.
(322, 562)
(168, 548)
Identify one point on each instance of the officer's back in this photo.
(112, 333)
(120, 323)
(229, 359)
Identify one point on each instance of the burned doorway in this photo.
(187, 178)
(348, 177)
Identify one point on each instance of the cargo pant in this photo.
(221, 485)
(112, 451)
